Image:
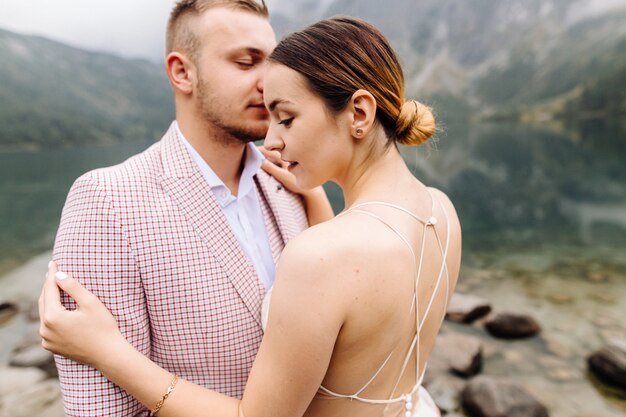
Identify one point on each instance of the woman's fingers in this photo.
(56, 279)
(271, 168)
(51, 296)
(272, 156)
(49, 306)
(75, 289)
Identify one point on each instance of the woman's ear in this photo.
(180, 71)
(362, 108)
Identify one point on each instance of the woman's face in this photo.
(315, 143)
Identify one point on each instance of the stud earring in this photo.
(359, 131)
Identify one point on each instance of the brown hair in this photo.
(341, 55)
(180, 37)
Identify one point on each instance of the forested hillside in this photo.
(52, 94)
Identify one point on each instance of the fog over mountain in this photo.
(489, 53)
(518, 59)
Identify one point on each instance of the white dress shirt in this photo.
(242, 211)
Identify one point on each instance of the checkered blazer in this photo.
(150, 240)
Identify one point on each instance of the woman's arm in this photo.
(303, 326)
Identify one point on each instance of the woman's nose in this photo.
(272, 140)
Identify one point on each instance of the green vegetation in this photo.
(580, 75)
(506, 61)
(55, 95)
(603, 98)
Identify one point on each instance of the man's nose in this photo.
(259, 83)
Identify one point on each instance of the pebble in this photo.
(7, 312)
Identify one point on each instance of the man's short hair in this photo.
(181, 37)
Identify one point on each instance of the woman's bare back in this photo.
(372, 292)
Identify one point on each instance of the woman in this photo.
(358, 300)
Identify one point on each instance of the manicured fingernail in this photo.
(49, 264)
(60, 275)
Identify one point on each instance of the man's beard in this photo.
(240, 134)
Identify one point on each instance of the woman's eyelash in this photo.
(286, 122)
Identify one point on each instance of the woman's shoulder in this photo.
(335, 236)
(449, 211)
(331, 247)
(440, 197)
(320, 263)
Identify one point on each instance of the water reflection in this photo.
(522, 185)
(33, 187)
(514, 186)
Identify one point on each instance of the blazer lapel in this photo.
(275, 238)
(184, 182)
(286, 207)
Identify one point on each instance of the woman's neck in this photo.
(376, 179)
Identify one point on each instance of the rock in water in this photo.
(609, 363)
(464, 308)
(512, 326)
(30, 353)
(461, 354)
(486, 396)
(7, 312)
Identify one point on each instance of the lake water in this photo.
(516, 188)
(543, 211)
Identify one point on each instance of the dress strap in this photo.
(431, 221)
(356, 394)
(417, 265)
(400, 235)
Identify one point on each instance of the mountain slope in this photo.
(503, 55)
(52, 94)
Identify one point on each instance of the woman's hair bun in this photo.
(415, 123)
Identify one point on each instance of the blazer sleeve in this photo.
(92, 245)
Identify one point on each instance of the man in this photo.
(180, 241)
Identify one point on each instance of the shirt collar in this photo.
(252, 163)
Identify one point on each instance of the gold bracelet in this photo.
(167, 394)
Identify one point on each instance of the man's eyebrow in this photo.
(276, 102)
(249, 50)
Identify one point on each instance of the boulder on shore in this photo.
(465, 308)
(609, 363)
(7, 312)
(486, 396)
(512, 326)
(457, 353)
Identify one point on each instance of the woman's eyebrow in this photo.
(276, 102)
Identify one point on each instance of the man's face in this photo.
(234, 45)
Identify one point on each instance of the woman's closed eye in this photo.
(286, 122)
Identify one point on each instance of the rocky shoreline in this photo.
(455, 380)
(489, 361)
(28, 381)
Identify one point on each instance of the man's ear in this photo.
(362, 107)
(181, 72)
